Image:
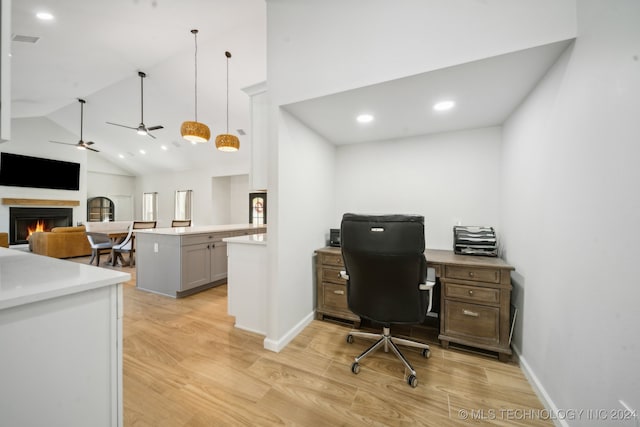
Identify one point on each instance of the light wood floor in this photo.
(186, 365)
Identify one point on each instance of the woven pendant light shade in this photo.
(195, 131)
(227, 142)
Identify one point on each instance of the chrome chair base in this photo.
(385, 339)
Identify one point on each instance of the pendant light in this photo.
(226, 141)
(195, 131)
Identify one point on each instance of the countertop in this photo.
(26, 278)
(252, 239)
(200, 229)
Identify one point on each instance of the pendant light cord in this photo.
(228, 55)
(195, 38)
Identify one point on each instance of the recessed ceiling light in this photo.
(143, 152)
(444, 105)
(44, 16)
(364, 118)
(121, 156)
(164, 147)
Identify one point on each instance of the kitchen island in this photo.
(61, 335)
(180, 261)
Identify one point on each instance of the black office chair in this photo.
(386, 273)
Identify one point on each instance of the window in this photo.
(258, 208)
(182, 208)
(150, 206)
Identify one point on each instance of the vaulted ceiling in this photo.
(95, 49)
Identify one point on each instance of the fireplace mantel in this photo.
(39, 202)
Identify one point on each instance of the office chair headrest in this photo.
(383, 234)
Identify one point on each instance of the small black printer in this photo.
(334, 237)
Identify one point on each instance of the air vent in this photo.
(241, 132)
(25, 39)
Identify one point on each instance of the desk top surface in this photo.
(441, 256)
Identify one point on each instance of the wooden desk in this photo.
(475, 300)
(474, 303)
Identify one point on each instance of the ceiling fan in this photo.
(81, 145)
(142, 129)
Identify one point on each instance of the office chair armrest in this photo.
(430, 282)
(344, 275)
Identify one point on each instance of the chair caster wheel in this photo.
(350, 338)
(426, 353)
(355, 367)
(412, 381)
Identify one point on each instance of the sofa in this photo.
(61, 242)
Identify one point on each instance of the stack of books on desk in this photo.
(474, 240)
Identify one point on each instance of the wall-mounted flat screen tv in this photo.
(17, 170)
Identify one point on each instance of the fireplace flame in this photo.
(38, 227)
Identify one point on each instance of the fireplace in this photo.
(23, 221)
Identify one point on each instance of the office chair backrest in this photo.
(384, 258)
(181, 223)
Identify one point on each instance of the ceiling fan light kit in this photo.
(226, 141)
(194, 131)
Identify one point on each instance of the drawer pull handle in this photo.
(338, 292)
(470, 292)
(470, 313)
(471, 274)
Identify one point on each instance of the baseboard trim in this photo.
(277, 345)
(539, 389)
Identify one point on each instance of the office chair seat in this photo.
(387, 279)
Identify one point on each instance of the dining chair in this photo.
(128, 244)
(100, 243)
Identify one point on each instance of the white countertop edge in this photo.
(252, 239)
(24, 299)
(199, 229)
(27, 278)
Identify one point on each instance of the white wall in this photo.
(322, 47)
(216, 199)
(31, 137)
(570, 204)
(309, 179)
(448, 178)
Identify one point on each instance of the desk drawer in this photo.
(332, 274)
(334, 296)
(472, 293)
(490, 275)
(332, 259)
(476, 322)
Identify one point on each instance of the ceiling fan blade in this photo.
(155, 127)
(88, 143)
(149, 134)
(116, 124)
(65, 143)
(92, 149)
